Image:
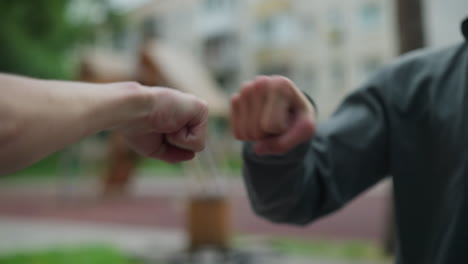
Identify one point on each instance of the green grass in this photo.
(51, 167)
(159, 168)
(349, 250)
(82, 255)
(44, 168)
(233, 164)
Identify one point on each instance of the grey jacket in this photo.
(410, 120)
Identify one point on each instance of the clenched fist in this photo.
(173, 127)
(39, 117)
(273, 113)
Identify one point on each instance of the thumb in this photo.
(302, 129)
(192, 135)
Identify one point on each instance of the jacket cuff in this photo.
(312, 102)
(293, 155)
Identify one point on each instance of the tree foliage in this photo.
(37, 37)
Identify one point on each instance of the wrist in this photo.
(128, 102)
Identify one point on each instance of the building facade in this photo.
(326, 47)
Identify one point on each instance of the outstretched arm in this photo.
(39, 117)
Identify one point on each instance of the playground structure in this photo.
(102, 67)
(157, 64)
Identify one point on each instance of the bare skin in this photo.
(39, 117)
(272, 113)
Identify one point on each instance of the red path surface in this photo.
(364, 218)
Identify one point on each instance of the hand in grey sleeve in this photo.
(347, 154)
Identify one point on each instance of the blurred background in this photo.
(97, 202)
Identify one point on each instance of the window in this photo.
(266, 29)
(120, 39)
(280, 69)
(309, 79)
(152, 28)
(370, 16)
(336, 27)
(277, 30)
(220, 52)
(214, 47)
(309, 26)
(232, 3)
(213, 5)
(338, 75)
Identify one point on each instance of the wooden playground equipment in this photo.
(102, 67)
(208, 209)
(208, 218)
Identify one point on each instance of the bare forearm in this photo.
(39, 117)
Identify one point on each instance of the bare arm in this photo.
(39, 117)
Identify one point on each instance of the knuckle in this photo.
(200, 147)
(234, 98)
(244, 104)
(204, 108)
(198, 105)
(246, 84)
(248, 90)
(235, 102)
(283, 84)
(284, 89)
(271, 90)
(132, 85)
(243, 92)
(261, 77)
(282, 80)
(260, 87)
(261, 80)
(203, 104)
(164, 120)
(269, 125)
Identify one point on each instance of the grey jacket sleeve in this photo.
(348, 154)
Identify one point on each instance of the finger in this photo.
(302, 130)
(193, 135)
(275, 114)
(174, 154)
(192, 139)
(299, 100)
(256, 97)
(235, 115)
(244, 108)
(148, 144)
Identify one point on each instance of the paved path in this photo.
(26, 234)
(149, 243)
(160, 203)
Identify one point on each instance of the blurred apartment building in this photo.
(327, 47)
